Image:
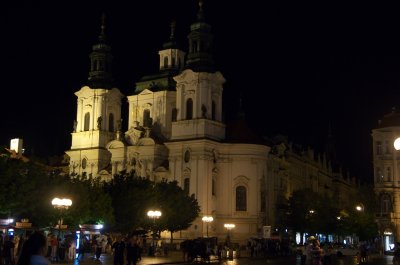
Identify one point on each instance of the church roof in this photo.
(391, 119)
(238, 131)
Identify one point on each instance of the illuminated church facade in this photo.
(176, 131)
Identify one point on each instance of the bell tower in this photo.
(199, 88)
(98, 117)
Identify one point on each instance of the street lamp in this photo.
(229, 227)
(360, 207)
(154, 215)
(61, 205)
(207, 219)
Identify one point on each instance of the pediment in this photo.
(146, 91)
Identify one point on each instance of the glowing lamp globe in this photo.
(396, 144)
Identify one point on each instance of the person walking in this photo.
(118, 248)
(34, 250)
(132, 251)
(8, 250)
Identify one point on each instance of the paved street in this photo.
(175, 257)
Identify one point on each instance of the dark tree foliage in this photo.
(29, 187)
(179, 210)
(310, 212)
(132, 196)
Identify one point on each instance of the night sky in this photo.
(315, 65)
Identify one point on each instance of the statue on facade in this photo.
(99, 120)
(75, 125)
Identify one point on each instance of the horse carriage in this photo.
(199, 249)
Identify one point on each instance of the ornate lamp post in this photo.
(229, 227)
(207, 219)
(61, 205)
(153, 215)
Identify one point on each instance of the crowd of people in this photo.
(41, 249)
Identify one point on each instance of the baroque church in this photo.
(176, 131)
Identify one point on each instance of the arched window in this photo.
(186, 185)
(173, 62)
(146, 118)
(87, 122)
(111, 122)
(213, 110)
(179, 63)
(84, 163)
(241, 198)
(189, 109)
(165, 62)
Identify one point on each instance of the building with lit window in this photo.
(386, 177)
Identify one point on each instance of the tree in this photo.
(178, 209)
(131, 198)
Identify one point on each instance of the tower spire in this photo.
(200, 57)
(102, 36)
(100, 61)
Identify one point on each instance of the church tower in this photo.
(199, 88)
(98, 117)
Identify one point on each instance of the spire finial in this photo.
(102, 36)
(200, 14)
(173, 25)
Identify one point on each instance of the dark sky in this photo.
(298, 67)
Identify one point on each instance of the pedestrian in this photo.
(396, 257)
(118, 248)
(8, 250)
(132, 251)
(308, 249)
(317, 253)
(34, 250)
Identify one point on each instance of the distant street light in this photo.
(153, 215)
(61, 205)
(207, 219)
(360, 207)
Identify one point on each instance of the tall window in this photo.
(241, 198)
(87, 122)
(173, 62)
(213, 187)
(165, 62)
(111, 122)
(146, 118)
(379, 177)
(378, 147)
(186, 185)
(213, 110)
(385, 204)
(388, 174)
(387, 147)
(189, 109)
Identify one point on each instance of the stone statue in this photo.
(99, 120)
(75, 125)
